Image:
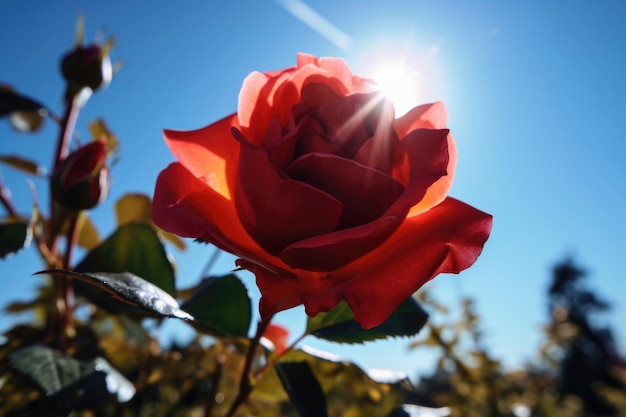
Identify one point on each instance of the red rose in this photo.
(322, 194)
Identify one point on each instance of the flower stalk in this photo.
(245, 385)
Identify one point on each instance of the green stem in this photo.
(245, 386)
(72, 108)
(67, 286)
(62, 324)
(258, 373)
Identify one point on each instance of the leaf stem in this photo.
(211, 263)
(245, 386)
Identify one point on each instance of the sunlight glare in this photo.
(399, 85)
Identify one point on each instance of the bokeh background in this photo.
(536, 97)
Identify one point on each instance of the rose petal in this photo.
(313, 96)
(210, 153)
(426, 116)
(255, 104)
(382, 151)
(426, 151)
(277, 290)
(83, 164)
(305, 138)
(334, 250)
(430, 116)
(365, 193)
(440, 188)
(309, 140)
(427, 156)
(352, 121)
(339, 69)
(272, 95)
(446, 239)
(278, 211)
(186, 206)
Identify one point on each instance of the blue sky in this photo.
(535, 93)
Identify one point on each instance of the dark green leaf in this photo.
(27, 121)
(303, 388)
(351, 391)
(131, 289)
(221, 306)
(399, 412)
(69, 378)
(133, 248)
(51, 369)
(338, 325)
(14, 236)
(11, 102)
(23, 164)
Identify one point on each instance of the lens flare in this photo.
(399, 85)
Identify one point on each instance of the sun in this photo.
(399, 84)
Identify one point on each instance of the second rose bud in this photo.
(82, 181)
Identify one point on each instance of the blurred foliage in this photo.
(578, 370)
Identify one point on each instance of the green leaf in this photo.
(348, 389)
(133, 208)
(222, 306)
(99, 130)
(303, 388)
(133, 248)
(11, 101)
(61, 375)
(25, 114)
(14, 236)
(51, 369)
(88, 237)
(131, 289)
(137, 208)
(338, 325)
(23, 164)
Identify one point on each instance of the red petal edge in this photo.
(446, 239)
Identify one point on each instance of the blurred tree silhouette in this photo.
(585, 351)
(579, 371)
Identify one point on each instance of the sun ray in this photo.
(317, 22)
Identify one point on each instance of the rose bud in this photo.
(87, 66)
(82, 180)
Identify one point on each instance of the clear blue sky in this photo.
(535, 92)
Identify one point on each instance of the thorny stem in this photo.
(278, 355)
(67, 285)
(62, 319)
(245, 386)
(210, 402)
